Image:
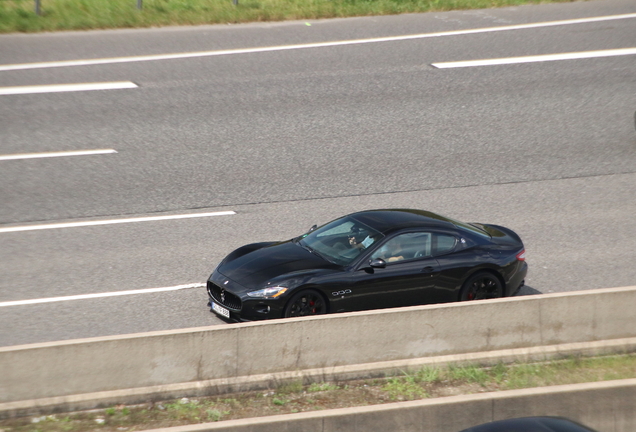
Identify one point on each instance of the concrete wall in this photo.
(227, 351)
(605, 406)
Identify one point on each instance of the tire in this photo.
(481, 286)
(305, 303)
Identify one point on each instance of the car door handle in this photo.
(428, 269)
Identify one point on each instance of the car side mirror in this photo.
(377, 263)
(313, 228)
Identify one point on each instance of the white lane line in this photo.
(99, 295)
(112, 221)
(101, 61)
(56, 154)
(536, 58)
(57, 88)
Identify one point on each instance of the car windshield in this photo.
(340, 241)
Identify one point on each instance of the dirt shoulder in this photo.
(428, 382)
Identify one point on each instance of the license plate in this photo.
(220, 310)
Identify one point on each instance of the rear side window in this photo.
(444, 243)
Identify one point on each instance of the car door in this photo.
(407, 279)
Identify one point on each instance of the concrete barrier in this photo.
(153, 360)
(605, 406)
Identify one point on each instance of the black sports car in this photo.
(368, 260)
(531, 424)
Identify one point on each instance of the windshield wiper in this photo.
(313, 251)
(306, 247)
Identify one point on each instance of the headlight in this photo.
(270, 292)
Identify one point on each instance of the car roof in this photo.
(388, 220)
(531, 424)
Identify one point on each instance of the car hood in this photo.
(258, 267)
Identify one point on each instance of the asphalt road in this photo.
(291, 137)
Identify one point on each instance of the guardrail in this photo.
(148, 363)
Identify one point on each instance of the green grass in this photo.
(290, 387)
(279, 402)
(19, 16)
(428, 374)
(469, 374)
(511, 376)
(405, 388)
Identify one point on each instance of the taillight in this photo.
(521, 256)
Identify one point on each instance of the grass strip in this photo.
(293, 397)
(19, 15)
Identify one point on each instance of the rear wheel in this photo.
(305, 303)
(481, 286)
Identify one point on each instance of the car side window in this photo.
(405, 246)
(444, 243)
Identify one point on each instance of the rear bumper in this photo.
(517, 280)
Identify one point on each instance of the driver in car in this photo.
(391, 251)
(368, 241)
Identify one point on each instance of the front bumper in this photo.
(233, 297)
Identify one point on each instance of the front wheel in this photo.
(481, 286)
(305, 303)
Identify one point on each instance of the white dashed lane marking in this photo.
(536, 58)
(56, 154)
(99, 295)
(20, 228)
(58, 88)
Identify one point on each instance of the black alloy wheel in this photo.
(481, 286)
(305, 303)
